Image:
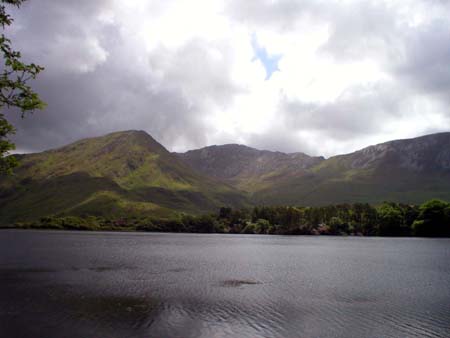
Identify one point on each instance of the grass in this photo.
(130, 173)
(117, 174)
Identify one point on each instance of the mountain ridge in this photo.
(120, 173)
(130, 173)
(245, 167)
(406, 170)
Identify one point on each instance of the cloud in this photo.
(426, 65)
(351, 73)
(108, 81)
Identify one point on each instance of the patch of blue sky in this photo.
(269, 61)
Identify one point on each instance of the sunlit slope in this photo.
(129, 173)
(117, 174)
(410, 171)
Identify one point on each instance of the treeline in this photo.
(388, 219)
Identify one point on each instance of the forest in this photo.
(431, 219)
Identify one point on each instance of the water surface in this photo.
(81, 284)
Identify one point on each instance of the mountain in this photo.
(123, 173)
(410, 171)
(129, 173)
(247, 168)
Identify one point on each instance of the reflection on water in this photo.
(68, 284)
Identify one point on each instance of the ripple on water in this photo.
(173, 285)
(234, 283)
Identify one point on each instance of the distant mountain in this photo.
(247, 168)
(122, 173)
(129, 173)
(423, 154)
(410, 171)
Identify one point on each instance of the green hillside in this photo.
(410, 171)
(129, 173)
(119, 174)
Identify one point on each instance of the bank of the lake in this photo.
(431, 219)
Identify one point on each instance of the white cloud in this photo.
(351, 72)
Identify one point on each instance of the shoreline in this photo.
(127, 231)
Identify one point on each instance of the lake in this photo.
(85, 284)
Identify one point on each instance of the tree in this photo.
(433, 219)
(262, 226)
(14, 90)
(390, 221)
(337, 226)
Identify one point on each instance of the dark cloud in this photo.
(100, 77)
(360, 110)
(95, 82)
(426, 65)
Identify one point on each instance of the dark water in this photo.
(67, 284)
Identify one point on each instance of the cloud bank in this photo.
(322, 77)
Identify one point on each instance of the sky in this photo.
(320, 77)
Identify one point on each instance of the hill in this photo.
(247, 168)
(123, 173)
(410, 171)
(129, 173)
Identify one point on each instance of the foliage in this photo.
(9, 162)
(433, 219)
(14, 89)
(389, 219)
